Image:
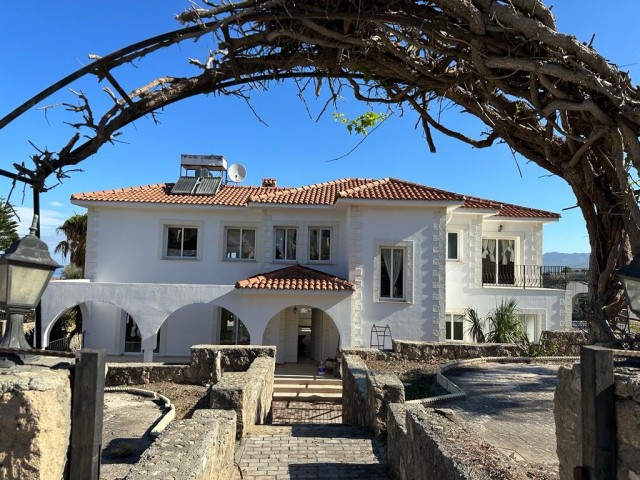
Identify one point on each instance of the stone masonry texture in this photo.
(35, 410)
(201, 448)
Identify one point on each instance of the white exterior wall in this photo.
(464, 276)
(421, 232)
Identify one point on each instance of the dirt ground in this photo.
(185, 398)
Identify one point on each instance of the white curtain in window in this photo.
(386, 261)
(397, 264)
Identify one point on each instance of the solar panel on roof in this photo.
(184, 185)
(208, 186)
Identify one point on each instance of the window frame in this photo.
(182, 255)
(458, 256)
(497, 274)
(320, 230)
(165, 225)
(392, 297)
(453, 318)
(240, 258)
(287, 230)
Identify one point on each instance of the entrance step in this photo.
(305, 388)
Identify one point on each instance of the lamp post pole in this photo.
(37, 337)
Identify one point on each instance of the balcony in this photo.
(524, 276)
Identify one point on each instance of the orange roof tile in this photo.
(326, 193)
(296, 277)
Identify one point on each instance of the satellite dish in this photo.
(203, 173)
(236, 172)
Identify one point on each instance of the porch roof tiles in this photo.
(296, 277)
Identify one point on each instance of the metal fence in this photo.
(525, 276)
(69, 343)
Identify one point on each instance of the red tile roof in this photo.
(296, 277)
(326, 193)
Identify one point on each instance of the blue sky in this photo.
(43, 41)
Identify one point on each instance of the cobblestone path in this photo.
(511, 407)
(310, 452)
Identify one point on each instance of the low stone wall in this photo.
(201, 448)
(568, 412)
(562, 344)
(143, 373)
(232, 358)
(453, 351)
(354, 390)
(248, 393)
(206, 364)
(423, 444)
(35, 422)
(366, 395)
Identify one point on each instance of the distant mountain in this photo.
(573, 260)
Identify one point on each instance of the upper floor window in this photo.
(181, 242)
(320, 244)
(452, 246)
(392, 273)
(240, 244)
(454, 327)
(285, 244)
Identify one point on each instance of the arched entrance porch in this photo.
(302, 333)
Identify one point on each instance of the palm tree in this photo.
(476, 325)
(75, 231)
(504, 324)
(8, 225)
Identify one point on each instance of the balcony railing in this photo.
(525, 276)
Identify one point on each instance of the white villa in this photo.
(308, 269)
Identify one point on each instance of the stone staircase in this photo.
(307, 388)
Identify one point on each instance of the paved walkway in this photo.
(290, 413)
(511, 407)
(311, 452)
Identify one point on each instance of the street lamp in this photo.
(630, 276)
(25, 270)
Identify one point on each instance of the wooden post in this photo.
(86, 415)
(598, 413)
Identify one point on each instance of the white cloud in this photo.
(57, 204)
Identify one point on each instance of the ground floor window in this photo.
(454, 327)
(133, 337)
(232, 330)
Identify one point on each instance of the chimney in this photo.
(269, 182)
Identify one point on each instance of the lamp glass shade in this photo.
(4, 280)
(26, 285)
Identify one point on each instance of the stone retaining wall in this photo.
(233, 358)
(366, 395)
(35, 422)
(201, 448)
(423, 444)
(248, 393)
(565, 344)
(453, 351)
(143, 373)
(206, 364)
(567, 412)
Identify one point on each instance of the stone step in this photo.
(304, 380)
(308, 388)
(307, 397)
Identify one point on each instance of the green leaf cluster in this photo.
(362, 123)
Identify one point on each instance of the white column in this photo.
(148, 344)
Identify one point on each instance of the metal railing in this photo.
(69, 343)
(525, 276)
